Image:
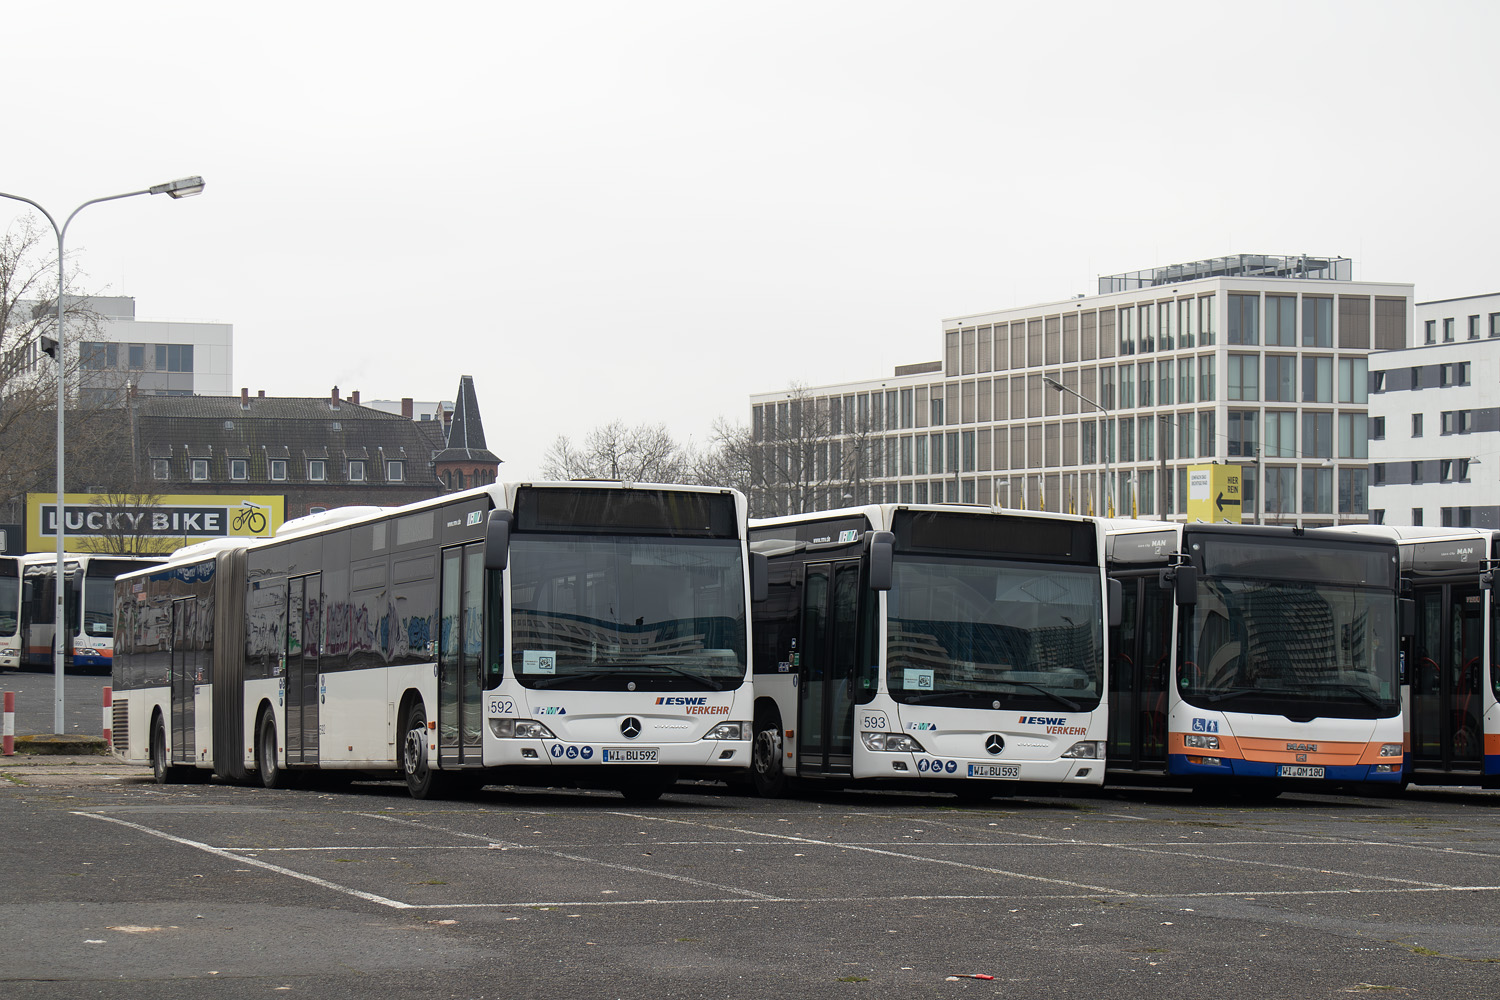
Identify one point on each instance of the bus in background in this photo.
(88, 603)
(589, 633)
(1450, 707)
(950, 648)
(10, 612)
(1259, 653)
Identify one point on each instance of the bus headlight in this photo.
(1200, 741)
(86, 651)
(726, 731)
(891, 743)
(1087, 750)
(520, 729)
(1390, 749)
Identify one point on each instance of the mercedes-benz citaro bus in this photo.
(1254, 659)
(1449, 695)
(586, 633)
(944, 647)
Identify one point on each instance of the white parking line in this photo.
(747, 893)
(814, 842)
(233, 856)
(748, 897)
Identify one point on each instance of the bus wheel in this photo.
(766, 767)
(161, 767)
(421, 779)
(267, 763)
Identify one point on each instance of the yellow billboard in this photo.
(1214, 493)
(141, 523)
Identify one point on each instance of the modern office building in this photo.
(1435, 419)
(152, 357)
(1254, 360)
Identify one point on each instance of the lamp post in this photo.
(184, 187)
(1103, 449)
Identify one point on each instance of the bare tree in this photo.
(643, 454)
(28, 377)
(802, 453)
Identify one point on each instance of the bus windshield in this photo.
(10, 604)
(991, 634)
(1295, 648)
(621, 613)
(99, 594)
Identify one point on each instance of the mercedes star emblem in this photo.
(631, 728)
(995, 743)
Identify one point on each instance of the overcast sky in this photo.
(647, 211)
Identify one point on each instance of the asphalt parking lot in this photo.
(117, 887)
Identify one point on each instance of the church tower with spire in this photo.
(466, 462)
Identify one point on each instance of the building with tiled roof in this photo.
(318, 453)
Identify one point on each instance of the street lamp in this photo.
(1104, 509)
(184, 187)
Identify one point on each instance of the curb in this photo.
(62, 744)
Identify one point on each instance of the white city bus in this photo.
(89, 606)
(10, 612)
(945, 647)
(586, 633)
(1449, 696)
(1254, 658)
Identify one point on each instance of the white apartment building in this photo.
(1435, 419)
(1253, 360)
(156, 357)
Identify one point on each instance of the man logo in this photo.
(630, 728)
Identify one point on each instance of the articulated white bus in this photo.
(89, 607)
(954, 648)
(1254, 658)
(1451, 699)
(585, 633)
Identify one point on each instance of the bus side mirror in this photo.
(882, 558)
(1116, 602)
(1183, 581)
(1408, 612)
(497, 539)
(760, 576)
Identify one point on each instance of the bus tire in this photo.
(267, 760)
(767, 763)
(161, 765)
(423, 781)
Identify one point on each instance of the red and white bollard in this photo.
(9, 728)
(109, 716)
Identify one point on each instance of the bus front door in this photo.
(1446, 674)
(304, 619)
(184, 674)
(460, 640)
(1140, 651)
(825, 725)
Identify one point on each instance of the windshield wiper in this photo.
(638, 670)
(703, 679)
(1358, 692)
(1236, 693)
(932, 696)
(558, 680)
(1067, 703)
